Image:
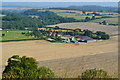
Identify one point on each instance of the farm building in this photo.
(0, 29)
(54, 34)
(66, 38)
(51, 40)
(85, 39)
(77, 38)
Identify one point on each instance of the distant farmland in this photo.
(112, 30)
(70, 14)
(113, 20)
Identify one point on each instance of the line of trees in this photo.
(44, 34)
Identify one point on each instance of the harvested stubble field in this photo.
(113, 20)
(112, 30)
(67, 60)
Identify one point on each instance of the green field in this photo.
(109, 20)
(14, 35)
(74, 15)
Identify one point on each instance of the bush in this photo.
(45, 73)
(3, 35)
(94, 73)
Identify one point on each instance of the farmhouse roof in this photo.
(67, 36)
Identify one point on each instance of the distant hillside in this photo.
(94, 8)
(32, 19)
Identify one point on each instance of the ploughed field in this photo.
(62, 57)
(111, 30)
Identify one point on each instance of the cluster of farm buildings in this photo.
(71, 39)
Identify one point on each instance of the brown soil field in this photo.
(67, 59)
(112, 30)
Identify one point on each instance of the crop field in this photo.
(111, 30)
(61, 57)
(14, 35)
(113, 20)
(72, 67)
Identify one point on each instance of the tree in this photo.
(3, 35)
(25, 67)
(94, 74)
(45, 73)
(105, 36)
(100, 33)
(87, 18)
(58, 39)
(104, 22)
(88, 33)
(57, 27)
(37, 34)
(77, 31)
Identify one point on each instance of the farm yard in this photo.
(111, 30)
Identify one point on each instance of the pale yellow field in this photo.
(42, 50)
(45, 51)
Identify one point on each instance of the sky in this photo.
(60, 0)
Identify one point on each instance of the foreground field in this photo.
(73, 67)
(111, 30)
(42, 51)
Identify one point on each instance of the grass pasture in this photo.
(14, 35)
(74, 15)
